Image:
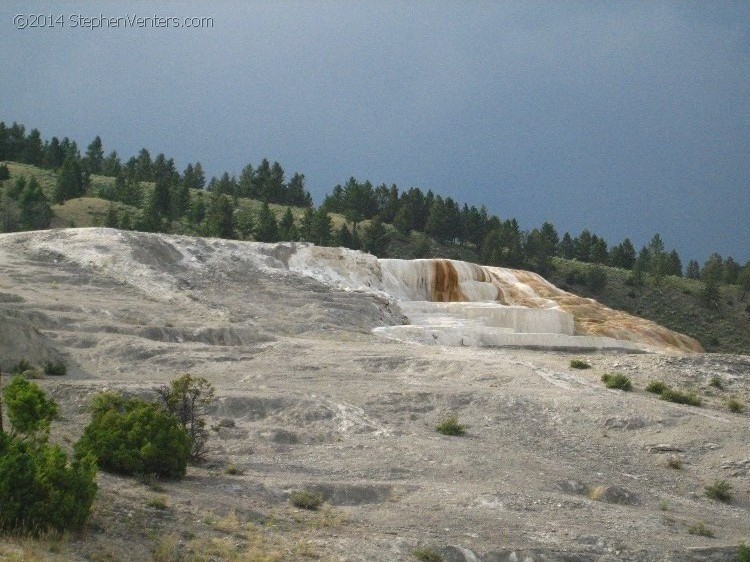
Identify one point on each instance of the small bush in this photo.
(735, 406)
(720, 490)
(701, 530)
(657, 387)
(28, 408)
(617, 381)
(743, 553)
(158, 502)
(426, 554)
(596, 279)
(578, 364)
(716, 382)
(57, 369)
(678, 397)
(40, 491)
(129, 436)
(306, 499)
(233, 470)
(21, 367)
(187, 399)
(450, 426)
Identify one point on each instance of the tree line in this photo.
(185, 203)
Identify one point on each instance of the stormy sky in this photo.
(626, 118)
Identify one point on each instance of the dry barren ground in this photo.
(553, 466)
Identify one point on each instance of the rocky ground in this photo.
(553, 466)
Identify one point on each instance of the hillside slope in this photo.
(554, 466)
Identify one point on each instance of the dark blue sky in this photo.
(626, 118)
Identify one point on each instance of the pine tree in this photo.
(375, 238)
(322, 228)
(693, 270)
(54, 155)
(220, 217)
(33, 149)
(267, 229)
(95, 156)
(287, 228)
(111, 165)
(69, 181)
(35, 210)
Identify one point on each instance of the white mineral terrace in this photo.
(455, 303)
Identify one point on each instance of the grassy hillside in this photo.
(674, 302)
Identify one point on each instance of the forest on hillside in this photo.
(149, 194)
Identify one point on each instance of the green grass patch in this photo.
(426, 554)
(657, 387)
(720, 490)
(679, 397)
(305, 499)
(735, 406)
(617, 381)
(701, 530)
(579, 364)
(450, 426)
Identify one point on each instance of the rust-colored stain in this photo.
(445, 283)
(590, 317)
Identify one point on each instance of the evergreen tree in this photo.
(4, 141)
(95, 156)
(582, 246)
(743, 279)
(731, 271)
(713, 269)
(623, 255)
(181, 200)
(599, 254)
(566, 248)
(674, 264)
(111, 165)
(693, 270)
(322, 227)
(144, 166)
(296, 193)
(243, 220)
(404, 219)
(246, 185)
(4, 172)
(267, 229)
(287, 229)
(112, 219)
(375, 238)
(199, 181)
(343, 238)
(161, 198)
(35, 210)
(69, 181)
(54, 155)
(307, 225)
(33, 149)
(219, 220)
(16, 142)
(197, 209)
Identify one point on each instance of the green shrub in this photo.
(596, 279)
(186, 399)
(129, 436)
(306, 499)
(57, 369)
(701, 530)
(678, 397)
(657, 387)
(716, 382)
(28, 409)
(743, 553)
(426, 554)
(720, 490)
(450, 426)
(735, 406)
(21, 367)
(617, 381)
(40, 491)
(578, 364)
